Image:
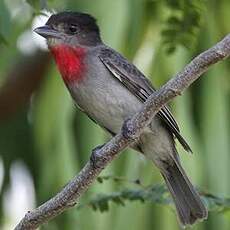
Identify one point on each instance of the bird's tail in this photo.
(187, 201)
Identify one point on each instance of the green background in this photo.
(43, 132)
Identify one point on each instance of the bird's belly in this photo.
(109, 104)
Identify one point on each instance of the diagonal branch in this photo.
(133, 127)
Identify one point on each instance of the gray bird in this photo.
(109, 89)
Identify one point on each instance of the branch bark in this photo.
(68, 196)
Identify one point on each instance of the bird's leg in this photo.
(128, 130)
(96, 157)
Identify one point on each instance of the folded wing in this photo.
(128, 75)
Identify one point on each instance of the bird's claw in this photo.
(128, 130)
(95, 157)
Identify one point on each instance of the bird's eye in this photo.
(73, 29)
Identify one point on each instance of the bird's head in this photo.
(69, 35)
(70, 28)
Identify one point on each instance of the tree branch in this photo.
(133, 127)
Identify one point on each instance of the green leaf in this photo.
(156, 194)
(183, 24)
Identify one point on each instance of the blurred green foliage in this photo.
(183, 24)
(54, 139)
(157, 194)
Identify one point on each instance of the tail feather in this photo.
(187, 201)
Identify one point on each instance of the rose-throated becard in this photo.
(109, 89)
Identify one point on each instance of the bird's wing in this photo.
(139, 85)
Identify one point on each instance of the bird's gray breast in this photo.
(103, 97)
(109, 103)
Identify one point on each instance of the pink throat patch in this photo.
(70, 62)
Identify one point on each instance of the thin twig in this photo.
(68, 196)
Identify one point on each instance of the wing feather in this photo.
(139, 85)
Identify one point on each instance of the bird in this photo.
(109, 89)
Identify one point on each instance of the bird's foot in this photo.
(96, 157)
(128, 130)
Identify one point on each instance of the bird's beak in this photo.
(47, 32)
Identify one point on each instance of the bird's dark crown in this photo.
(82, 20)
